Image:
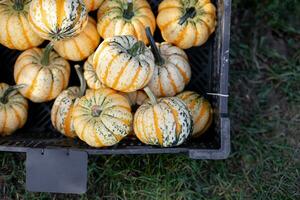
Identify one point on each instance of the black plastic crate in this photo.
(209, 75)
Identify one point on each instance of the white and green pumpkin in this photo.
(63, 107)
(172, 70)
(57, 19)
(165, 121)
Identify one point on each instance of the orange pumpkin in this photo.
(200, 109)
(44, 73)
(81, 46)
(124, 63)
(13, 109)
(186, 23)
(16, 33)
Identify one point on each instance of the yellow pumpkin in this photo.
(13, 109)
(172, 70)
(165, 122)
(93, 4)
(16, 32)
(125, 17)
(63, 107)
(200, 109)
(186, 23)
(102, 118)
(81, 46)
(90, 75)
(44, 72)
(123, 63)
(57, 19)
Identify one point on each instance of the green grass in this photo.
(264, 112)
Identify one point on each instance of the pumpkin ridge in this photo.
(157, 129)
(174, 86)
(32, 86)
(17, 116)
(110, 131)
(120, 74)
(20, 71)
(108, 68)
(8, 34)
(51, 85)
(81, 54)
(60, 12)
(183, 74)
(43, 17)
(68, 121)
(175, 115)
(161, 90)
(24, 32)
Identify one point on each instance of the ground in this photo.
(265, 121)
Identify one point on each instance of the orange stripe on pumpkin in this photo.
(120, 74)
(174, 86)
(44, 15)
(81, 54)
(68, 122)
(134, 79)
(24, 33)
(108, 68)
(201, 113)
(158, 132)
(9, 40)
(183, 74)
(175, 115)
(32, 86)
(60, 12)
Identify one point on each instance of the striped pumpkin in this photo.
(81, 46)
(123, 63)
(90, 75)
(165, 122)
(16, 33)
(102, 118)
(57, 19)
(200, 109)
(13, 109)
(172, 71)
(186, 23)
(125, 17)
(93, 4)
(44, 82)
(63, 107)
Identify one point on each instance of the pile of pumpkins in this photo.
(120, 72)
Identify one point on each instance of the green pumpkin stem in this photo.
(18, 5)
(128, 13)
(189, 13)
(81, 79)
(46, 54)
(96, 111)
(8, 91)
(158, 58)
(150, 95)
(137, 49)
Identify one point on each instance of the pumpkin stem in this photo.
(46, 54)
(158, 58)
(137, 49)
(150, 95)
(81, 79)
(8, 91)
(189, 13)
(96, 111)
(128, 13)
(18, 5)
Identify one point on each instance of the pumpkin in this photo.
(16, 32)
(79, 47)
(186, 23)
(63, 107)
(200, 109)
(123, 63)
(13, 109)
(92, 4)
(125, 18)
(90, 75)
(102, 117)
(136, 97)
(172, 71)
(57, 19)
(44, 72)
(165, 121)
